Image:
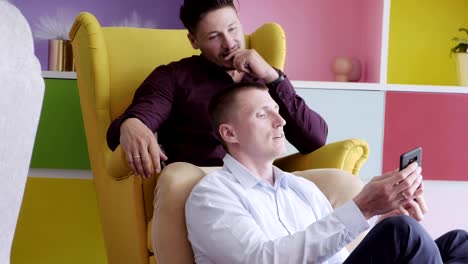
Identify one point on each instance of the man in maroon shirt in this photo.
(173, 100)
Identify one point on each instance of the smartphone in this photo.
(414, 155)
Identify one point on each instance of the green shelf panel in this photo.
(60, 140)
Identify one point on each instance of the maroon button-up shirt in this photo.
(174, 99)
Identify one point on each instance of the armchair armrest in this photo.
(117, 166)
(348, 155)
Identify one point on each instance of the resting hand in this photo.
(250, 62)
(415, 207)
(141, 148)
(389, 191)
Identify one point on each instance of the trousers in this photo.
(401, 239)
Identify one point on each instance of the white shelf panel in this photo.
(59, 75)
(379, 87)
(385, 38)
(328, 85)
(60, 173)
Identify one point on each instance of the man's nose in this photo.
(228, 42)
(279, 120)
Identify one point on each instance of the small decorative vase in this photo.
(60, 55)
(462, 68)
(346, 69)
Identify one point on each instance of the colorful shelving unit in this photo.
(58, 221)
(408, 96)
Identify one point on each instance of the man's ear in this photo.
(227, 133)
(193, 40)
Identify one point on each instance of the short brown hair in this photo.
(222, 104)
(192, 11)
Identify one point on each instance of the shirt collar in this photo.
(247, 179)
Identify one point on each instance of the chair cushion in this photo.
(178, 179)
(174, 185)
(338, 186)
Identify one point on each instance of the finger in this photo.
(239, 63)
(403, 210)
(406, 172)
(404, 181)
(138, 165)
(242, 61)
(401, 199)
(163, 156)
(155, 154)
(129, 158)
(232, 54)
(418, 192)
(229, 57)
(421, 186)
(146, 164)
(245, 67)
(415, 211)
(422, 204)
(412, 189)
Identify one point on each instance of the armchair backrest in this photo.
(111, 63)
(132, 55)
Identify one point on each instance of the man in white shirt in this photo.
(252, 212)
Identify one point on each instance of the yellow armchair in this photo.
(111, 63)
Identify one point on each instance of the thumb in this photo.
(162, 154)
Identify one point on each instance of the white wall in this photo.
(351, 114)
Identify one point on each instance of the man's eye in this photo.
(212, 37)
(232, 29)
(261, 115)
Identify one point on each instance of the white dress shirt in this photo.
(235, 217)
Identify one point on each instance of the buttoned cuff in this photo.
(353, 219)
(275, 83)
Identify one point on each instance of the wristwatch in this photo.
(278, 80)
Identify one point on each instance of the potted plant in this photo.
(461, 53)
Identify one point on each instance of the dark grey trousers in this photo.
(401, 239)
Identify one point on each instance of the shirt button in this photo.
(280, 93)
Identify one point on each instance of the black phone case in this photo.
(409, 157)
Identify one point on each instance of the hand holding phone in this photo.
(414, 155)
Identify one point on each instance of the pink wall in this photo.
(371, 43)
(319, 30)
(437, 123)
